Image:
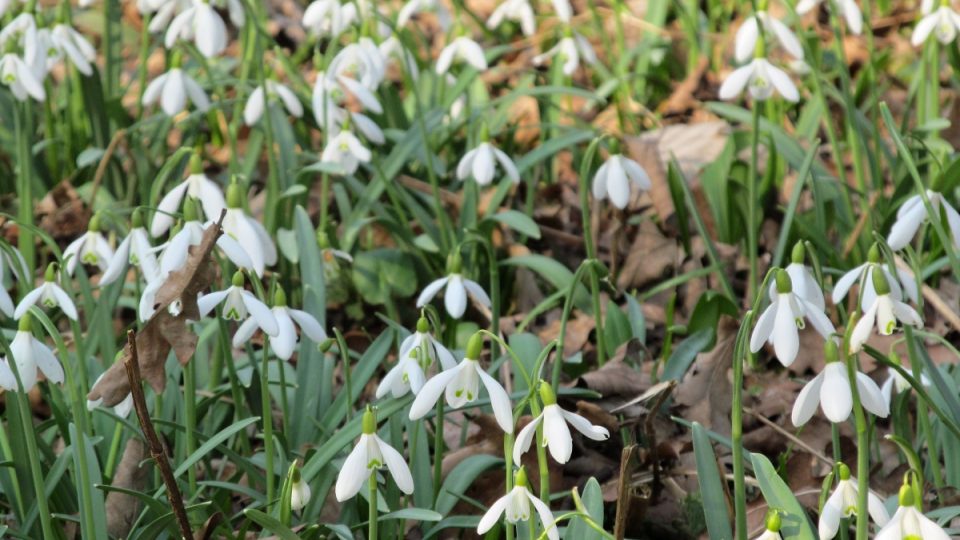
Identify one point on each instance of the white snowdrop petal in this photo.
(525, 438)
(431, 392)
(492, 516)
(30, 299)
(807, 401)
(499, 400)
(396, 465)
(308, 325)
(581, 424)
(556, 434)
(353, 473)
(835, 397)
(871, 397)
(430, 291)
(455, 297)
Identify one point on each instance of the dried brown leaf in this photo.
(175, 304)
(132, 472)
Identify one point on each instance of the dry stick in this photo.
(132, 363)
(104, 161)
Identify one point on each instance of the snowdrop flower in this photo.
(884, 313)
(346, 150)
(362, 62)
(198, 186)
(408, 375)
(942, 23)
(514, 10)
(332, 89)
(481, 163)
(325, 18)
(831, 389)
(779, 323)
(163, 12)
(172, 89)
(455, 297)
(234, 9)
(804, 283)
(897, 382)
(16, 74)
(773, 524)
(134, 249)
(745, 42)
(515, 507)
(256, 103)
(461, 384)
(614, 178)
(848, 9)
(68, 42)
(392, 48)
(371, 452)
(556, 434)
(285, 340)
(842, 503)
(913, 213)
(462, 48)
(238, 304)
(412, 7)
(121, 409)
(864, 273)
(909, 523)
(6, 303)
(570, 49)
(760, 78)
(30, 354)
(563, 10)
(251, 235)
(91, 248)
(201, 24)
(22, 30)
(50, 294)
(299, 492)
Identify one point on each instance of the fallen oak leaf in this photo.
(175, 303)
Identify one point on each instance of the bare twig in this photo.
(156, 448)
(104, 161)
(790, 436)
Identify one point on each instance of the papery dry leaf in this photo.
(651, 256)
(175, 304)
(62, 213)
(132, 472)
(706, 389)
(615, 378)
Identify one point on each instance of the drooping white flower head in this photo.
(247, 231)
(371, 453)
(772, 529)
(760, 78)
(804, 283)
(201, 24)
(299, 493)
(455, 298)
(163, 12)
(258, 99)
(22, 31)
(91, 248)
(556, 434)
(883, 313)
(326, 18)
(197, 185)
(18, 76)
(514, 10)
(616, 177)
(900, 283)
(831, 390)
(361, 62)
(134, 249)
(234, 9)
(462, 48)
(172, 89)
(238, 305)
(481, 163)
(391, 49)
(515, 507)
(745, 42)
(30, 354)
(842, 503)
(461, 385)
(563, 9)
(285, 341)
(345, 150)
(10, 260)
(909, 523)
(779, 323)
(848, 9)
(942, 23)
(69, 43)
(412, 7)
(121, 409)
(409, 375)
(570, 49)
(49, 294)
(913, 213)
(896, 382)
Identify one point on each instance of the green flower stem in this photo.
(863, 452)
(144, 55)
(267, 419)
(236, 393)
(23, 130)
(111, 463)
(345, 357)
(591, 251)
(753, 182)
(438, 445)
(564, 318)
(190, 418)
(372, 525)
(508, 467)
(923, 412)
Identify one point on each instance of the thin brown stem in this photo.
(132, 364)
